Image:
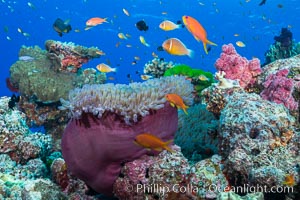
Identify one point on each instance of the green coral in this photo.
(38, 80)
(200, 79)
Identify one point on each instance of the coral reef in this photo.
(68, 57)
(248, 140)
(41, 87)
(21, 153)
(283, 47)
(140, 176)
(129, 101)
(157, 67)
(16, 139)
(197, 133)
(233, 196)
(25, 163)
(238, 68)
(36, 79)
(169, 176)
(215, 95)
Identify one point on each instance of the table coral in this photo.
(38, 80)
(68, 56)
(237, 67)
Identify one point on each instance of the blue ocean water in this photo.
(256, 26)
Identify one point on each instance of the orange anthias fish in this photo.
(95, 21)
(176, 100)
(151, 142)
(175, 47)
(197, 30)
(289, 180)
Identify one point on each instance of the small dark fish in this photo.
(208, 48)
(13, 100)
(141, 25)
(160, 48)
(179, 22)
(61, 26)
(280, 6)
(128, 76)
(262, 2)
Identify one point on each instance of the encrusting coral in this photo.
(256, 138)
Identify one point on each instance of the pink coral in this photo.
(95, 153)
(278, 88)
(237, 67)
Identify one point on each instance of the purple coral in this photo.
(278, 88)
(237, 67)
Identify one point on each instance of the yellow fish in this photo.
(175, 47)
(122, 36)
(203, 78)
(143, 41)
(240, 44)
(145, 77)
(104, 68)
(168, 25)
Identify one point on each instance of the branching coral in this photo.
(129, 101)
